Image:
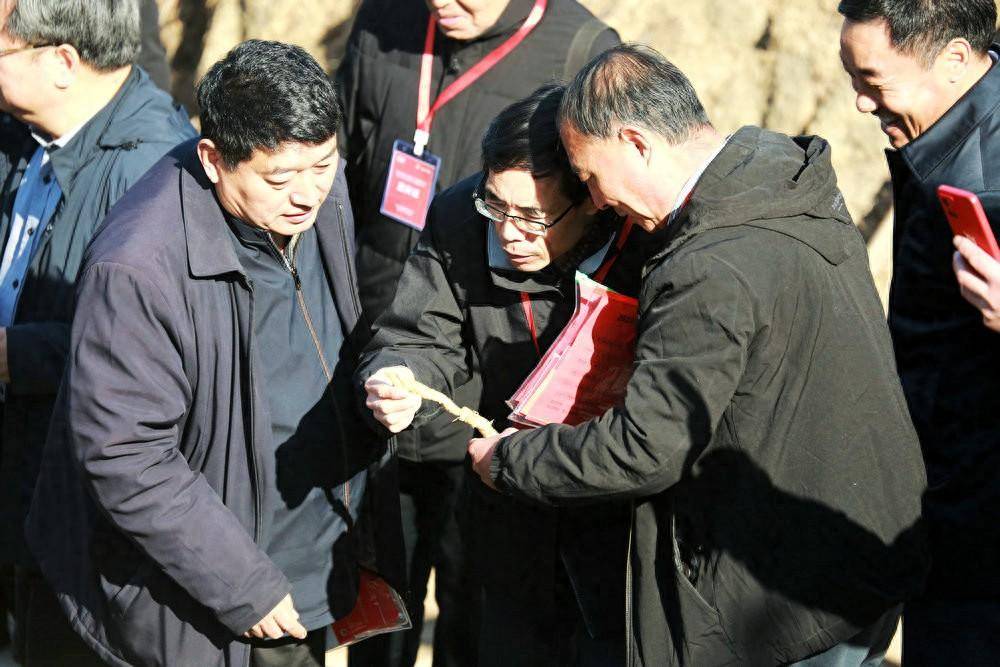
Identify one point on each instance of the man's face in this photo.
(25, 75)
(280, 191)
(517, 192)
(618, 176)
(906, 96)
(463, 20)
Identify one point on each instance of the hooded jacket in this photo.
(763, 439)
(111, 152)
(378, 81)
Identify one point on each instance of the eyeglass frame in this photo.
(19, 49)
(480, 203)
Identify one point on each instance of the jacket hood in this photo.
(768, 180)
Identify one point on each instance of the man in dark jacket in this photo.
(379, 79)
(926, 70)
(764, 440)
(202, 496)
(552, 580)
(84, 124)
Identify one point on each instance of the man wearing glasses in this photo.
(79, 123)
(484, 294)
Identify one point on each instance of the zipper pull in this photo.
(295, 277)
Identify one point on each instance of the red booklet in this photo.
(587, 368)
(379, 609)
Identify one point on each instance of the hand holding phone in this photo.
(967, 218)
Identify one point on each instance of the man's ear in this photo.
(955, 59)
(211, 159)
(67, 63)
(636, 138)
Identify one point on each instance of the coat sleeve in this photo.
(423, 328)
(128, 397)
(694, 333)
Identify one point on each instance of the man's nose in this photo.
(865, 104)
(600, 201)
(508, 231)
(305, 198)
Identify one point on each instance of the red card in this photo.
(410, 185)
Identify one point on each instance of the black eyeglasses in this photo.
(18, 49)
(528, 225)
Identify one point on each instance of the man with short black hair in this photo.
(80, 124)
(763, 437)
(209, 489)
(552, 581)
(926, 69)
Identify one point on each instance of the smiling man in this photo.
(502, 244)
(926, 69)
(201, 497)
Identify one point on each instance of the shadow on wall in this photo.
(195, 18)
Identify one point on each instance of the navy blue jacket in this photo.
(948, 361)
(113, 150)
(148, 519)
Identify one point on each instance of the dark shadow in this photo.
(195, 17)
(874, 218)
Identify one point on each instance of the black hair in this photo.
(634, 84)
(923, 28)
(264, 94)
(525, 136)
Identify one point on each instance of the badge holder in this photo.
(409, 189)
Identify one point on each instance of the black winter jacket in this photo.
(147, 520)
(764, 437)
(112, 151)
(948, 361)
(378, 80)
(454, 318)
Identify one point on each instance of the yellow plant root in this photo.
(464, 415)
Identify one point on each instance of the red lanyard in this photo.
(599, 276)
(425, 112)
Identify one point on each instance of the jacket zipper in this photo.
(629, 648)
(300, 298)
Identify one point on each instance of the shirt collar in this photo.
(49, 144)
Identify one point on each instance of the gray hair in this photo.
(104, 32)
(632, 84)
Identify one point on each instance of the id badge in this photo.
(410, 185)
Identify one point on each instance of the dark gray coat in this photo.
(112, 151)
(378, 81)
(147, 517)
(948, 361)
(764, 438)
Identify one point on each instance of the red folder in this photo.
(587, 368)
(379, 609)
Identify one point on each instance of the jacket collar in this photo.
(934, 146)
(99, 133)
(209, 250)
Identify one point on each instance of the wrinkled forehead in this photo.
(293, 156)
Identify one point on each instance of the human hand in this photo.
(481, 450)
(282, 619)
(979, 279)
(393, 407)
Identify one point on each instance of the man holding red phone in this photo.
(926, 70)
(979, 278)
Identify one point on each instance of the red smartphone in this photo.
(967, 218)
